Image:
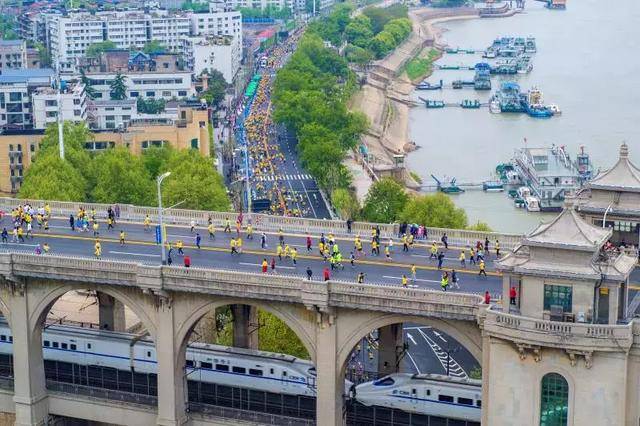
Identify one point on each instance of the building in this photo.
(13, 54)
(46, 109)
(188, 131)
(112, 114)
(222, 53)
(16, 87)
(612, 199)
(69, 36)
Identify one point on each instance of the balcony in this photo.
(563, 335)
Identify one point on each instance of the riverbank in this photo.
(385, 98)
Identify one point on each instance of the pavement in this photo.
(140, 246)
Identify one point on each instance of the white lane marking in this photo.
(439, 336)
(277, 266)
(414, 363)
(411, 338)
(417, 279)
(19, 244)
(454, 368)
(417, 327)
(133, 254)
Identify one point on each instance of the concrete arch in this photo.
(287, 313)
(5, 310)
(51, 294)
(465, 332)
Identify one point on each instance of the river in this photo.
(586, 63)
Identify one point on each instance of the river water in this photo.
(587, 63)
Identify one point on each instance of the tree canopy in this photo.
(435, 210)
(154, 47)
(216, 87)
(118, 87)
(97, 49)
(122, 176)
(385, 201)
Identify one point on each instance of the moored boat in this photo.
(532, 204)
(470, 104)
(492, 186)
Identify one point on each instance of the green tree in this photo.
(122, 177)
(88, 88)
(75, 136)
(358, 32)
(150, 105)
(345, 202)
(379, 16)
(7, 27)
(43, 54)
(118, 87)
(155, 160)
(154, 47)
(51, 178)
(435, 210)
(194, 181)
(96, 49)
(216, 88)
(385, 201)
(276, 336)
(480, 226)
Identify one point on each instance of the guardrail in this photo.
(286, 288)
(214, 411)
(561, 334)
(265, 222)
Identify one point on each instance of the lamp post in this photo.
(606, 212)
(159, 180)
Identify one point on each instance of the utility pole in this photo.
(60, 121)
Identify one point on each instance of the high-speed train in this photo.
(250, 369)
(431, 394)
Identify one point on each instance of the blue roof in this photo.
(28, 72)
(10, 42)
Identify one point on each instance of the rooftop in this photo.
(624, 175)
(10, 42)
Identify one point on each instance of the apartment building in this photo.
(188, 131)
(13, 54)
(222, 53)
(16, 87)
(73, 104)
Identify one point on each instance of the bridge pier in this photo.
(171, 373)
(245, 326)
(30, 393)
(390, 344)
(110, 313)
(330, 378)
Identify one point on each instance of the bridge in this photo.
(590, 342)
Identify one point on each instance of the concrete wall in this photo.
(532, 295)
(597, 395)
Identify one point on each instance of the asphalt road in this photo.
(215, 253)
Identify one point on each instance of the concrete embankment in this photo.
(385, 98)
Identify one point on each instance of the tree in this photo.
(385, 201)
(480, 226)
(276, 336)
(150, 105)
(122, 178)
(216, 88)
(359, 32)
(194, 181)
(435, 210)
(118, 87)
(345, 202)
(154, 47)
(96, 49)
(155, 159)
(51, 178)
(88, 88)
(358, 55)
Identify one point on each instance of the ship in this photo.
(530, 46)
(534, 104)
(550, 174)
(425, 85)
(509, 98)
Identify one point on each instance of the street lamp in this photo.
(159, 180)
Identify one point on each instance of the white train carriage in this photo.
(430, 394)
(258, 370)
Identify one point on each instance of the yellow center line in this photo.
(257, 252)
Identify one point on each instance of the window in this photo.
(387, 381)
(194, 143)
(46, 343)
(3, 338)
(445, 398)
(428, 392)
(88, 345)
(32, 148)
(182, 93)
(110, 117)
(52, 114)
(15, 97)
(151, 94)
(55, 344)
(554, 400)
(189, 363)
(478, 403)
(64, 346)
(558, 295)
(222, 367)
(239, 370)
(206, 365)
(134, 94)
(465, 401)
(166, 94)
(73, 346)
(51, 103)
(255, 372)
(148, 354)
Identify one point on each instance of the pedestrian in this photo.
(444, 281)
(265, 266)
(454, 279)
(405, 243)
(122, 237)
(309, 273)
(445, 241)
(512, 296)
(352, 259)
(72, 222)
(349, 223)
(117, 210)
(109, 224)
(434, 251)
(273, 265)
(45, 248)
(472, 256)
(309, 243)
(404, 281)
(294, 256)
(227, 226)
(212, 231)
(497, 248)
(187, 261)
(486, 246)
(487, 298)
(233, 246)
(169, 258)
(179, 246)
(413, 273)
(198, 239)
(193, 226)
(361, 278)
(440, 259)
(263, 241)
(326, 274)
(462, 258)
(482, 271)
(5, 235)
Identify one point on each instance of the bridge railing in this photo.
(286, 288)
(459, 237)
(554, 333)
